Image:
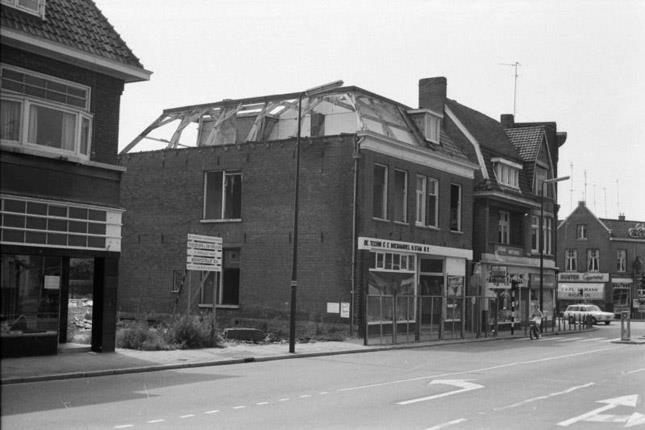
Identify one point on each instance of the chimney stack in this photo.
(432, 94)
(507, 120)
(621, 217)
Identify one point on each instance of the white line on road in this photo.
(286, 399)
(214, 411)
(635, 371)
(569, 339)
(155, 421)
(594, 339)
(124, 426)
(322, 393)
(449, 423)
(239, 407)
(304, 396)
(187, 416)
(483, 369)
(523, 402)
(262, 403)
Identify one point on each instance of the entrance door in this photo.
(77, 326)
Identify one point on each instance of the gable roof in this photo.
(76, 25)
(582, 207)
(527, 141)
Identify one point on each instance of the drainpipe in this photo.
(356, 156)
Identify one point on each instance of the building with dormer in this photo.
(513, 221)
(63, 68)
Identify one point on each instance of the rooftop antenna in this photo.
(515, 64)
(604, 190)
(571, 186)
(594, 197)
(585, 194)
(617, 197)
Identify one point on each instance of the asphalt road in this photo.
(581, 381)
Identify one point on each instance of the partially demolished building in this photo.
(384, 234)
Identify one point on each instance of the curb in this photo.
(175, 366)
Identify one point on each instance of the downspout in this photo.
(356, 156)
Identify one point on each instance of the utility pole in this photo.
(514, 65)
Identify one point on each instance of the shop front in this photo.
(579, 287)
(511, 291)
(414, 291)
(59, 270)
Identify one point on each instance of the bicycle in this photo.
(534, 329)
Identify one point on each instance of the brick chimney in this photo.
(621, 217)
(507, 120)
(432, 94)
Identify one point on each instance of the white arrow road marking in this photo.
(547, 396)
(629, 400)
(463, 385)
(449, 423)
(630, 420)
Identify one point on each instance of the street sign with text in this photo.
(204, 253)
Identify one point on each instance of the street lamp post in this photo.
(542, 236)
(294, 266)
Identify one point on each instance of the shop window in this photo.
(581, 231)
(504, 227)
(401, 196)
(379, 209)
(621, 260)
(223, 195)
(571, 260)
(593, 260)
(30, 290)
(45, 113)
(455, 207)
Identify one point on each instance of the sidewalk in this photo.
(86, 364)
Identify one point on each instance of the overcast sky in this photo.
(582, 65)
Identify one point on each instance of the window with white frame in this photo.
(45, 113)
(507, 173)
(621, 260)
(223, 195)
(401, 196)
(535, 233)
(593, 260)
(455, 207)
(427, 201)
(571, 260)
(581, 231)
(33, 7)
(420, 217)
(547, 235)
(379, 209)
(540, 177)
(503, 227)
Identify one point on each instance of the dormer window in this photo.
(428, 122)
(507, 172)
(33, 7)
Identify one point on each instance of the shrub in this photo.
(139, 335)
(193, 332)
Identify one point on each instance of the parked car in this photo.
(580, 311)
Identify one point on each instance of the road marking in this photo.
(304, 396)
(262, 403)
(323, 393)
(155, 421)
(124, 426)
(462, 384)
(631, 420)
(214, 411)
(187, 416)
(449, 423)
(568, 339)
(239, 407)
(483, 369)
(635, 371)
(286, 399)
(523, 402)
(594, 339)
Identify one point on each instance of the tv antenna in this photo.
(514, 65)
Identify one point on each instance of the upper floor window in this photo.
(541, 175)
(455, 207)
(621, 260)
(547, 232)
(503, 227)
(571, 260)
(581, 231)
(535, 233)
(401, 196)
(427, 201)
(45, 113)
(593, 260)
(507, 173)
(223, 195)
(34, 7)
(379, 204)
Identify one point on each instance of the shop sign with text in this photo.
(583, 277)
